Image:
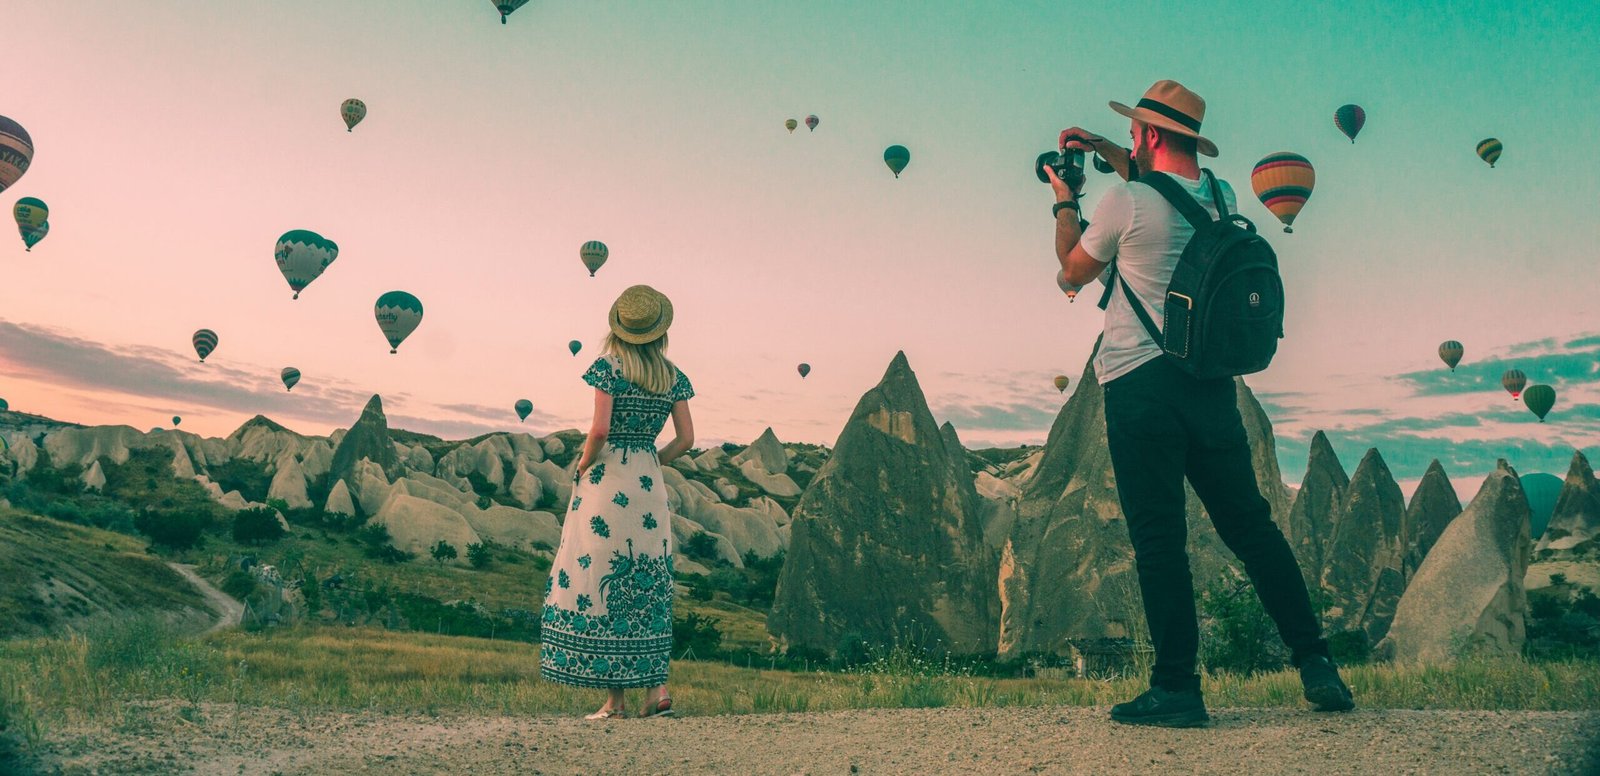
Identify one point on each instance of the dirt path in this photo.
(229, 611)
(913, 741)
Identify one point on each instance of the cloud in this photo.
(999, 417)
(500, 415)
(1544, 361)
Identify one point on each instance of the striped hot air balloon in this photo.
(574, 346)
(33, 220)
(352, 111)
(290, 376)
(594, 254)
(1513, 381)
(1450, 352)
(812, 121)
(524, 408)
(1349, 119)
(1283, 182)
(205, 341)
(398, 314)
(16, 152)
(1539, 399)
(1489, 150)
(1061, 382)
(897, 157)
(790, 125)
(505, 7)
(302, 255)
(804, 369)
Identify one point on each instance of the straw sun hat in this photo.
(642, 314)
(1168, 105)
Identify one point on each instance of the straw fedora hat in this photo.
(1168, 105)
(642, 314)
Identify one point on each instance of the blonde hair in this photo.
(643, 365)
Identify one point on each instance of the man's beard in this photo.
(1143, 157)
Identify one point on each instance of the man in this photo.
(1164, 425)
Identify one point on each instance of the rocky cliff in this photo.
(368, 439)
(1315, 511)
(886, 542)
(1576, 519)
(1432, 507)
(1362, 578)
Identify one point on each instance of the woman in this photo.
(608, 604)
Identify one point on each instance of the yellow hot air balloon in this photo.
(1283, 182)
(791, 124)
(1061, 382)
(1489, 150)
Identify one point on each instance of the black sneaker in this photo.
(1162, 707)
(1323, 687)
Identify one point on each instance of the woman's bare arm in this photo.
(599, 428)
(683, 425)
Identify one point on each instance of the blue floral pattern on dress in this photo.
(564, 580)
(584, 603)
(583, 562)
(577, 501)
(637, 415)
(649, 521)
(598, 525)
(646, 483)
(597, 473)
(631, 644)
(621, 499)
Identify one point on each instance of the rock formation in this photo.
(95, 477)
(339, 500)
(1468, 595)
(1576, 519)
(766, 451)
(289, 483)
(1316, 508)
(1432, 507)
(1067, 570)
(886, 543)
(1362, 576)
(367, 439)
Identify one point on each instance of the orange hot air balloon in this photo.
(1283, 182)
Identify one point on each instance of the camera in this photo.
(1067, 164)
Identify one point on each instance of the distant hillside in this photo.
(55, 574)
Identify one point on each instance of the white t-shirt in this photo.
(1136, 226)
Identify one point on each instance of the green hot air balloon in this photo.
(790, 125)
(204, 341)
(574, 346)
(897, 157)
(4, 406)
(505, 7)
(33, 220)
(352, 111)
(1450, 352)
(1061, 383)
(290, 376)
(398, 314)
(594, 254)
(16, 152)
(176, 420)
(1349, 119)
(1513, 381)
(1489, 150)
(523, 408)
(1539, 399)
(803, 369)
(302, 255)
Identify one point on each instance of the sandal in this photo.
(608, 714)
(663, 709)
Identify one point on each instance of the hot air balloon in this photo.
(1061, 382)
(398, 314)
(803, 369)
(594, 254)
(1450, 352)
(353, 111)
(812, 121)
(1067, 288)
(16, 152)
(4, 406)
(1489, 150)
(205, 341)
(574, 346)
(1539, 399)
(176, 420)
(790, 125)
(897, 157)
(1349, 119)
(523, 408)
(290, 376)
(1513, 381)
(1283, 182)
(302, 256)
(32, 220)
(505, 7)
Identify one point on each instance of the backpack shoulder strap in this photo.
(1180, 199)
(1216, 195)
(1144, 317)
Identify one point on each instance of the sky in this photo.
(175, 140)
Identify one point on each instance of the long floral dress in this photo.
(608, 604)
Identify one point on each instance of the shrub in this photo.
(257, 525)
(374, 541)
(248, 477)
(1236, 633)
(702, 546)
(179, 530)
(478, 554)
(239, 584)
(443, 551)
(698, 633)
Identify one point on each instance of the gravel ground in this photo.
(911, 741)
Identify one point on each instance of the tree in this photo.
(178, 529)
(444, 551)
(257, 525)
(478, 554)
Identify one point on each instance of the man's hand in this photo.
(1062, 190)
(1113, 154)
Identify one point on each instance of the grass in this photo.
(104, 675)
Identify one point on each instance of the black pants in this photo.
(1164, 425)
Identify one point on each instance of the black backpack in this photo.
(1224, 311)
